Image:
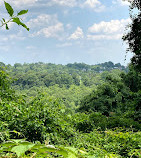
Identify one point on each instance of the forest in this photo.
(83, 110)
(75, 110)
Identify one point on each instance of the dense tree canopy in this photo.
(133, 36)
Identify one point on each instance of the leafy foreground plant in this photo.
(22, 148)
(13, 18)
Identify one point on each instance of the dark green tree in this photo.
(108, 98)
(133, 36)
(5, 85)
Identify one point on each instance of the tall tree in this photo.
(133, 36)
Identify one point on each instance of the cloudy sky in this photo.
(66, 31)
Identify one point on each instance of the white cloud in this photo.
(104, 37)
(78, 34)
(42, 20)
(109, 27)
(19, 3)
(94, 4)
(122, 2)
(68, 3)
(113, 29)
(68, 26)
(7, 41)
(46, 25)
(12, 37)
(52, 31)
(30, 47)
(16, 37)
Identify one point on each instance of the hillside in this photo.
(94, 109)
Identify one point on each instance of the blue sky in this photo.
(66, 31)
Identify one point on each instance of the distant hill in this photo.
(47, 74)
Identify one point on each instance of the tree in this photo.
(5, 85)
(132, 79)
(133, 36)
(13, 18)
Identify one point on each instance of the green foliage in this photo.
(9, 9)
(22, 148)
(96, 120)
(132, 79)
(17, 21)
(6, 91)
(47, 75)
(22, 12)
(108, 97)
(84, 110)
(13, 18)
(132, 37)
(108, 144)
(49, 115)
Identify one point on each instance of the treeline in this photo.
(46, 75)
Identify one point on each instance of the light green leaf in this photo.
(21, 149)
(8, 144)
(62, 152)
(17, 21)
(3, 19)
(71, 155)
(46, 149)
(22, 12)
(71, 149)
(25, 143)
(37, 146)
(9, 9)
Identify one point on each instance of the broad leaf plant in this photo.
(13, 17)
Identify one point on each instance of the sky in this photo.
(66, 31)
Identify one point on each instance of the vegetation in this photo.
(71, 111)
(13, 18)
(100, 119)
(132, 37)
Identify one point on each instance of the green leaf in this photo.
(25, 143)
(71, 155)
(3, 19)
(17, 21)
(3, 149)
(62, 152)
(21, 149)
(7, 28)
(46, 149)
(9, 9)
(71, 149)
(40, 154)
(22, 12)
(37, 146)
(8, 144)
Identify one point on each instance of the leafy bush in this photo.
(22, 148)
